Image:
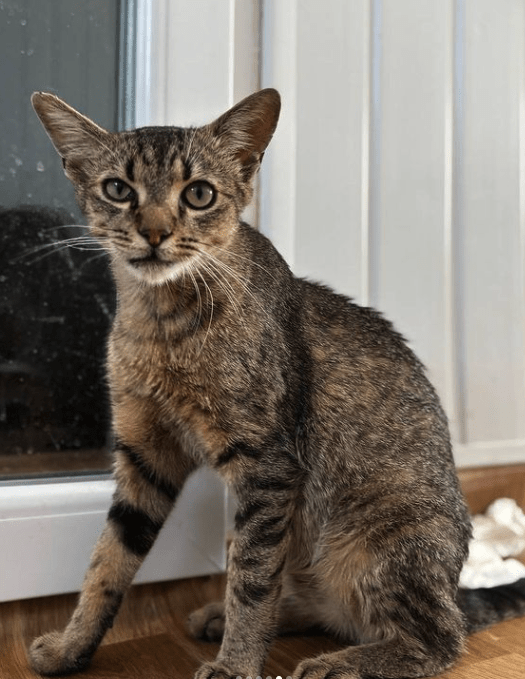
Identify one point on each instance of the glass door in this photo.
(56, 294)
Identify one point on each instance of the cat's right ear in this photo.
(74, 136)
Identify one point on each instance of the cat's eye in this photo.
(117, 190)
(199, 195)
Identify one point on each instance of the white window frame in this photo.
(192, 61)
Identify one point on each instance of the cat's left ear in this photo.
(247, 128)
(74, 136)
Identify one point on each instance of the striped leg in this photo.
(298, 612)
(141, 504)
(256, 563)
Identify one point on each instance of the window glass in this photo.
(56, 300)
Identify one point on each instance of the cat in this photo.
(312, 409)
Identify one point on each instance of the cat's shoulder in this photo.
(323, 310)
(352, 323)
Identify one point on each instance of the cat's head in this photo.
(157, 197)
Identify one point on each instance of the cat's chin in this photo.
(156, 273)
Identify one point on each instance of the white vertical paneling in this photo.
(372, 184)
(416, 69)
(331, 143)
(521, 274)
(277, 211)
(454, 354)
(203, 58)
(244, 48)
(398, 177)
(493, 303)
(327, 138)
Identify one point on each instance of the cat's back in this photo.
(363, 330)
(369, 390)
(355, 339)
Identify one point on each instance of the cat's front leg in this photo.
(256, 561)
(141, 504)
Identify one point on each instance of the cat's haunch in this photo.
(311, 408)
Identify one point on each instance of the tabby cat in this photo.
(311, 408)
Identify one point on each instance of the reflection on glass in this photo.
(56, 301)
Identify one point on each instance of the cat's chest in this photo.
(160, 370)
(167, 389)
(209, 387)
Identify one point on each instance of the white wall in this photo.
(397, 176)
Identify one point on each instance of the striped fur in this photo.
(313, 410)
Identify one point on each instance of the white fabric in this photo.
(498, 534)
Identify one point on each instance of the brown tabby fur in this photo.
(311, 408)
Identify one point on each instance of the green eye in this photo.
(199, 195)
(119, 191)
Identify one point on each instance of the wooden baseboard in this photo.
(483, 485)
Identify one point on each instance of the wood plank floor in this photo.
(149, 640)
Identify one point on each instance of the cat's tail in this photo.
(486, 606)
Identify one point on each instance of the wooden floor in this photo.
(149, 641)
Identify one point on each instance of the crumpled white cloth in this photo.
(497, 535)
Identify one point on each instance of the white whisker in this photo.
(76, 243)
(92, 259)
(211, 312)
(235, 276)
(67, 226)
(228, 269)
(222, 283)
(199, 298)
(241, 257)
(66, 241)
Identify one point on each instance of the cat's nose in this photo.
(155, 235)
(154, 224)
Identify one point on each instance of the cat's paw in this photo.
(215, 670)
(47, 656)
(323, 667)
(207, 623)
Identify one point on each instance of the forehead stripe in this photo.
(187, 169)
(130, 167)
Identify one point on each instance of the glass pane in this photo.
(56, 301)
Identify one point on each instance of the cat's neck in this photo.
(186, 306)
(156, 300)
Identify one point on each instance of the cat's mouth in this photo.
(151, 258)
(154, 269)
(158, 260)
